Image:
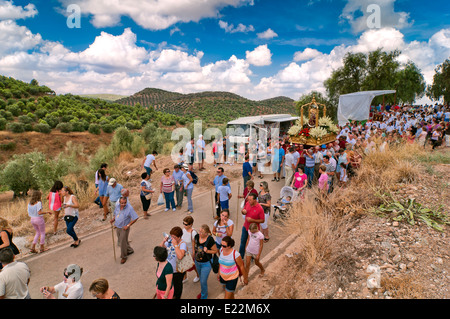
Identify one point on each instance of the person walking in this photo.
(188, 187)
(254, 213)
(299, 182)
(176, 249)
(253, 249)
(290, 166)
(164, 274)
(218, 181)
(100, 290)
(247, 170)
(124, 218)
(201, 155)
(71, 214)
(168, 189)
(204, 249)
(14, 277)
(54, 203)
(309, 166)
(146, 193)
(188, 237)
(231, 267)
(178, 177)
(102, 189)
(37, 220)
(113, 194)
(224, 194)
(223, 227)
(104, 167)
(148, 161)
(264, 199)
(190, 154)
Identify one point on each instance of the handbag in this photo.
(185, 263)
(149, 196)
(215, 263)
(69, 218)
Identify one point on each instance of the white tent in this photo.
(356, 106)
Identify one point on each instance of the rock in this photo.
(411, 257)
(402, 266)
(395, 224)
(397, 258)
(439, 261)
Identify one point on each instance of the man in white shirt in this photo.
(189, 151)
(14, 277)
(290, 166)
(201, 152)
(148, 161)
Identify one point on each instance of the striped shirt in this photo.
(228, 268)
(310, 162)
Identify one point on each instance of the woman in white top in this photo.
(70, 205)
(223, 227)
(188, 237)
(343, 178)
(37, 220)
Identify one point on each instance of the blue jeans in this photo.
(70, 228)
(169, 199)
(189, 199)
(309, 171)
(244, 237)
(203, 270)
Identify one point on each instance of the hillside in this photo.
(218, 107)
(26, 107)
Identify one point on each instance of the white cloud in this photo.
(261, 56)
(268, 34)
(300, 78)
(16, 38)
(374, 10)
(152, 14)
(8, 11)
(306, 54)
(230, 28)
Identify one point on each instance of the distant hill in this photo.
(212, 106)
(106, 97)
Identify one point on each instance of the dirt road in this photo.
(136, 278)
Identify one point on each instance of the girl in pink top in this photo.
(323, 180)
(299, 182)
(255, 242)
(54, 202)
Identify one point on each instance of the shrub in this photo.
(11, 146)
(15, 127)
(42, 128)
(64, 127)
(3, 123)
(94, 129)
(107, 128)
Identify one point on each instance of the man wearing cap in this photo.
(188, 185)
(113, 193)
(124, 217)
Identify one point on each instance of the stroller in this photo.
(284, 203)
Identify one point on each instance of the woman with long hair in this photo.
(54, 203)
(102, 191)
(37, 220)
(70, 205)
(264, 199)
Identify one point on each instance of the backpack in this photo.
(194, 177)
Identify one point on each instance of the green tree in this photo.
(441, 83)
(410, 84)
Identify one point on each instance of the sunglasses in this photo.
(185, 224)
(224, 246)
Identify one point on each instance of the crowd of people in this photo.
(212, 248)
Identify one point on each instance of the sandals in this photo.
(33, 251)
(76, 245)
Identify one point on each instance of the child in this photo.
(253, 247)
(224, 194)
(343, 176)
(283, 203)
(231, 155)
(323, 180)
(181, 158)
(37, 220)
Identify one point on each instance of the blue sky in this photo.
(256, 48)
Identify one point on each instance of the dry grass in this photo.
(322, 225)
(404, 287)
